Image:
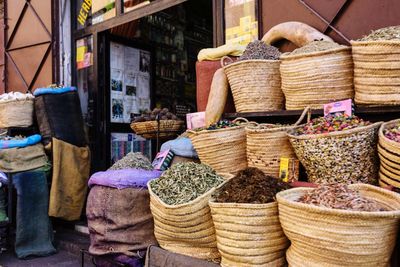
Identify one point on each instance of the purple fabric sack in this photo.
(126, 178)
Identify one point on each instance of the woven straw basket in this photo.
(255, 84)
(223, 149)
(148, 129)
(266, 144)
(16, 113)
(376, 72)
(389, 154)
(317, 78)
(348, 156)
(186, 228)
(331, 237)
(249, 234)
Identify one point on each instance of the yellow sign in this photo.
(84, 11)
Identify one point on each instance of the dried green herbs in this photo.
(260, 50)
(388, 33)
(132, 161)
(316, 46)
(250, 185)
(219, 125)
(184, 182)
(340, 196)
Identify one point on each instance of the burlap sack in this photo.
(119, 220)
(22, 158)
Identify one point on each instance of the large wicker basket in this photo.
(223, 149)
(376, 72)
(16, 113)
(331, 237)
(348, 156)
(317, 78)
(149, 129)
(389, 154)
(266, 144)
(249, 234)
(186, 228)
(255, 85)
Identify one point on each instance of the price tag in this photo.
(344, 106)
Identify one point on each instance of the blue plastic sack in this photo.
(181, 146)
(28, 141)
(45, 91)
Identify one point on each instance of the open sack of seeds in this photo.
(377, 68)
(389, 154)
(337, 148)
(222, 145)
(16, 110)
(245, 214)
(339, 225)
(179, 204)
(118, 208)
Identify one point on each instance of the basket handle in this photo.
(239, 119)
(223, 63)
(306, 111)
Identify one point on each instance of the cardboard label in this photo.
(344, 106)
(289, 169)
(163, 160)
(195, 120)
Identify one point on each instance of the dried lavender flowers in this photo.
(184, 182)
(340, 196)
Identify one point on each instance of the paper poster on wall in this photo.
(129, 82)
(123, 143)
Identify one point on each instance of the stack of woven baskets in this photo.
(389, 154)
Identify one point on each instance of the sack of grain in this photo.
(16, 110)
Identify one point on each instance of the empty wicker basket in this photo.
(376, 72)
(255, 84)
(317, 78)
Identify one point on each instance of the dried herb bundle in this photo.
(250, 185)
(132, 161)
(184, 182)
(340, 196)
(316, 46)
(260, 50)
(388, 33)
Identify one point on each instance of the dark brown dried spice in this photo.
(250, 185)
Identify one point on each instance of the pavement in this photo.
(69, 244)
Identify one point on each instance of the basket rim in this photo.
(258, 128)
(331, 134)
(383, 127)
(239, 62)
(318, 53)
(376, 42)
(155, 122)
(213, 203)
(194, 133)
(282, 200)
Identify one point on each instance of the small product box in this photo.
(163, 160)
(289, 169)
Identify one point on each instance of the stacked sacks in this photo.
(179, 204)
(118, 211)
(16, 110)
(389, 153)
